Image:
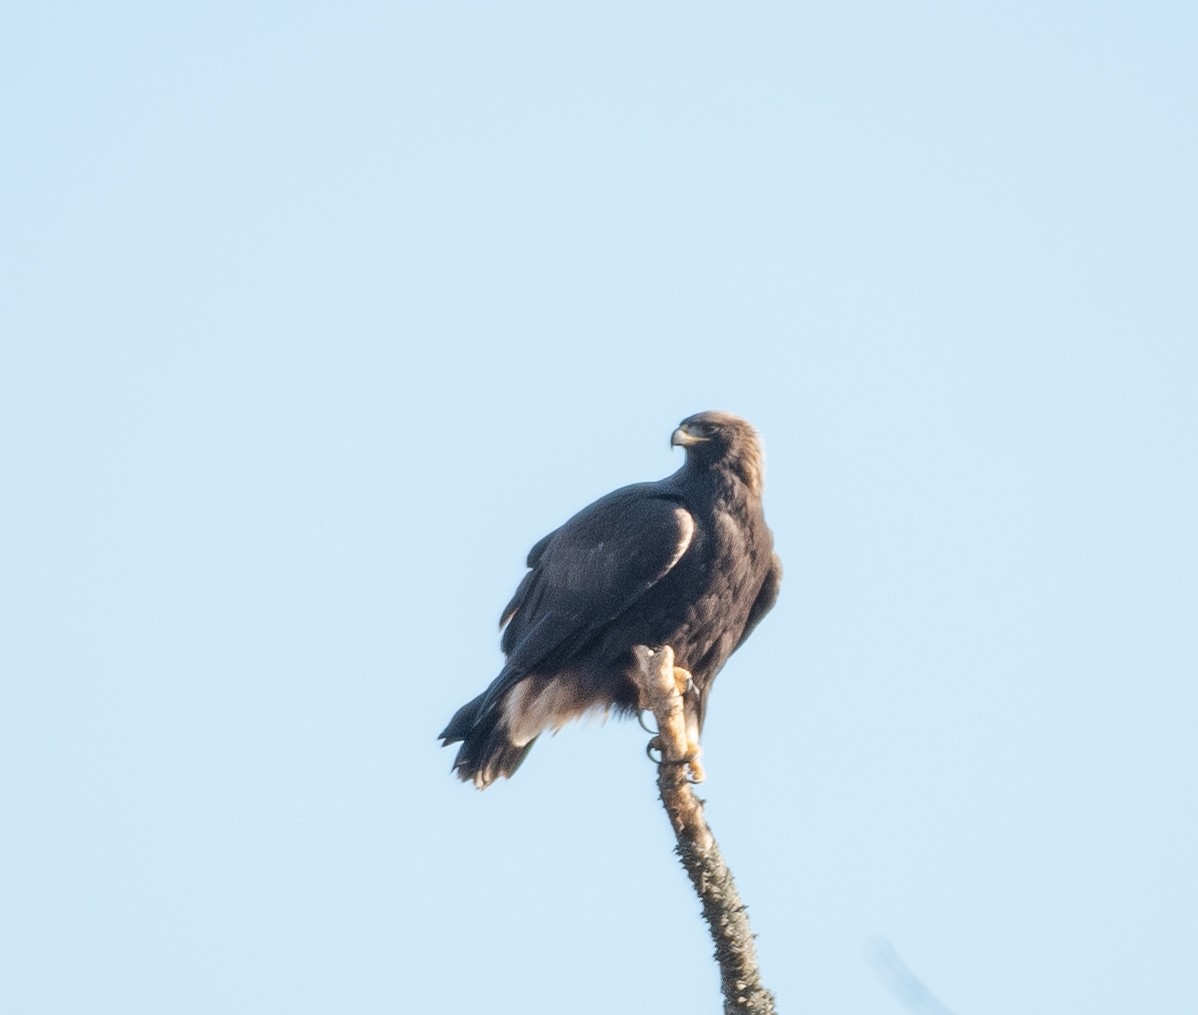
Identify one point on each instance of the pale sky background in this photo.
(315, 317)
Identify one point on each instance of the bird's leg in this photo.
(682, 680)
(670, 694)
(689, 694)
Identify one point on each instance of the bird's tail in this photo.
(487, 751)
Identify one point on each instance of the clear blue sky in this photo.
(315, 317)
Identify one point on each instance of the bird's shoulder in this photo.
(595, 564)
(640, 526)
(649, 505)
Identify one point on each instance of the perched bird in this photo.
(687, 561)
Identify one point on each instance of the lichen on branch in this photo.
(663, 692)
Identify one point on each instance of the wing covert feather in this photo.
(589, 571)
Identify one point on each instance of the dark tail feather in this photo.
(486, 752)
(462, 722)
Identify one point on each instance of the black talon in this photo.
(658, 760)
(640, 718)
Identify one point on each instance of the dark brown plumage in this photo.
(687, 561)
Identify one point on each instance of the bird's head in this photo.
(720, 439)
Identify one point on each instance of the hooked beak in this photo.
(683, 438)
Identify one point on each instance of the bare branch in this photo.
(663, 688)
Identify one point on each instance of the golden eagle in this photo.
(687, 562)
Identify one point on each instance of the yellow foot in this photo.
(694, 769)
(682, 680)
(690, 700)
